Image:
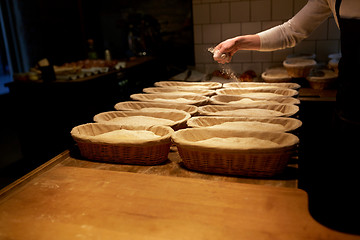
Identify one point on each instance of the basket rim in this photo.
(210, 85)
(195, 99)
(171, 90)
(290, 85)
(79, 137)
(291, 142)
(216, 99)
(191, 109)
(185, 116)
(293, 108)
(287, 92)
(306, 62)
(296, 123)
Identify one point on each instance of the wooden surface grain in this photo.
(83, 203)
(174, 167)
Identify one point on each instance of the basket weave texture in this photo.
(276, 75)
(234, 161)
(179, 117)
(298, 67)
(145, 152)
(138, 105)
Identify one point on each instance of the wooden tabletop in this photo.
(175, 168)
(316, 95)
(73, 198)
(69, 202)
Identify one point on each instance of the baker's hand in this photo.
(224, 51)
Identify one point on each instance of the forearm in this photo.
(248, 42)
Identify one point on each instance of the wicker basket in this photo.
(252, 162)
(281, 110)
(276, 91)
(299, 67)
(232, 99)
(294, 86)
(322, 79)
(174, 90)
(289, 124)
(137, 105)
(276, 75)
(194, 85)
(192, 99)
(178, 117)
(141, 152)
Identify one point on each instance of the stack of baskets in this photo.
(210, 105)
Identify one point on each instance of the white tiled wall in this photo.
(218, 20)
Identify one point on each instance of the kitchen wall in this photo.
(217, 20)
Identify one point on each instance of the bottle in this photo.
(91, 50)
(107, 55)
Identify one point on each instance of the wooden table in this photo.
(72, 198)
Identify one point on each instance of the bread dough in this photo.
(241, 143)
(251, 125)
(126, 135)
(142, 120)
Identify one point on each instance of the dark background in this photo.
(59, 30)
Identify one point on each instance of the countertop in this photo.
(72, 198)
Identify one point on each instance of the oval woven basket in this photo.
(174, 90)
(277, 91)
(138, 105)
(240, 99)
(234, 159)
(276, 110)
(289, 124)
(194, 85)
(294, 86)
(140, 152)
(179, 118)
(190, 99)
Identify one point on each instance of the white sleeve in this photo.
(297, 28)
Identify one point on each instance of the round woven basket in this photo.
(276, 75)
(290, 124)
(138, 105)
(139, 152)
(190, 99)
(299, 67)
(179, 118)
(234, 160)
(322, 79)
